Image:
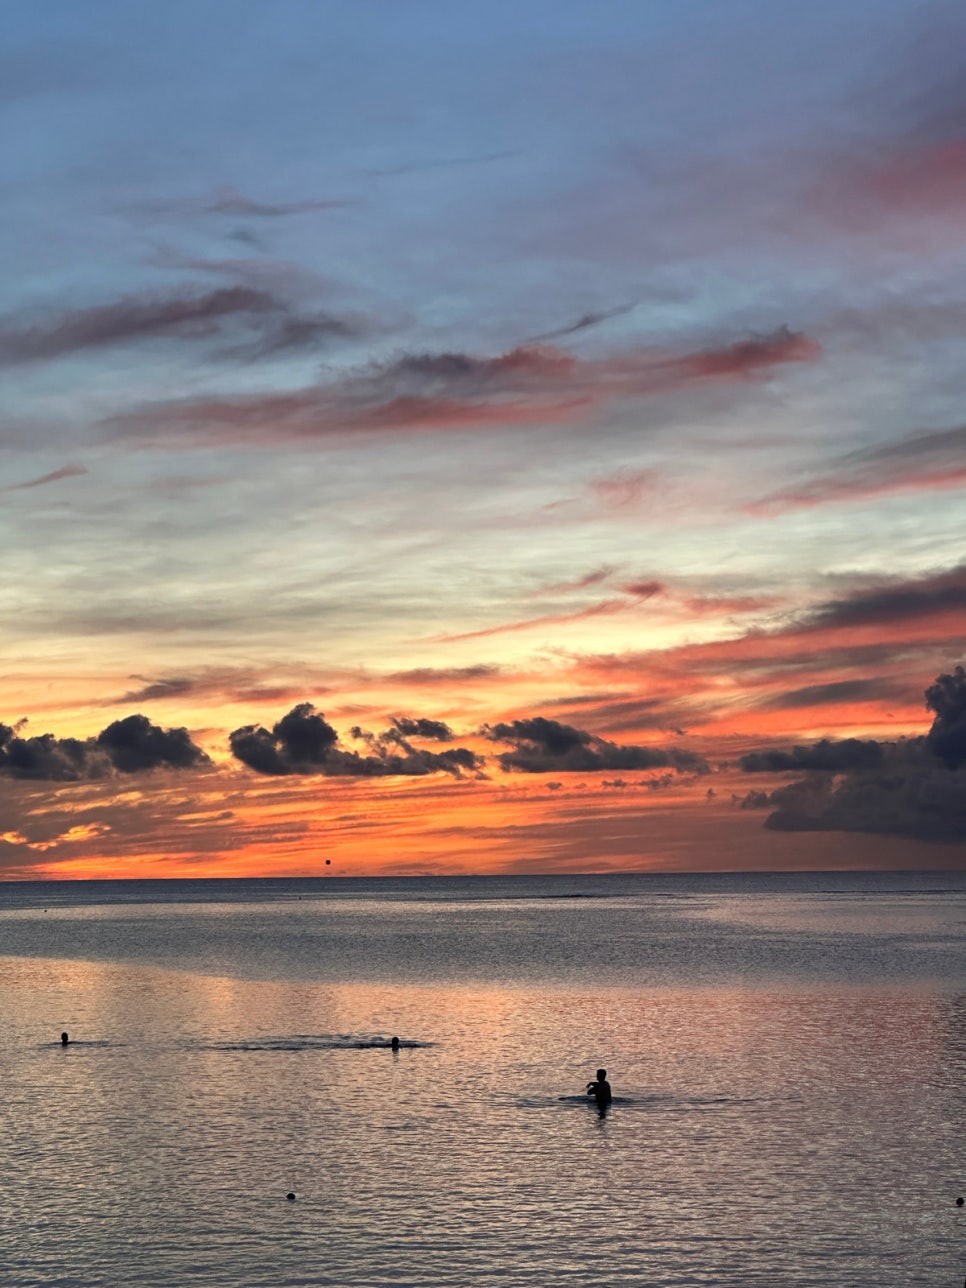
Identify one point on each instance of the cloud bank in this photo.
(914, 788)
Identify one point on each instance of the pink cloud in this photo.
(420, 392)
(65, 472)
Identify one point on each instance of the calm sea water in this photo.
(788, 1056)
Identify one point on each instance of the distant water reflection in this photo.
(787, 1124)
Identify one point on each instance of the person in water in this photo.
(64, 1039)
(394, 1044)
(600, 1089)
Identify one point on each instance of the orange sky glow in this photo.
(493, 480)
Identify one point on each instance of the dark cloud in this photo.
(47, 757)
(65, 472)
(835, 691)
(947, 737)
(303, 742)
(425, 391)
(828, 755)
(422, 728)
(915, 787)
(176, 687)
(132, 745)
(544, 746)
(135, 744)
(756, 800)
(892, 601)
(300, 743)
(914, 801)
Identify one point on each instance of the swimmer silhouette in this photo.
(64, 1039)
(600, 1089)
(394, 1044)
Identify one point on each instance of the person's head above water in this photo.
(394, 1044)
(64, 1039)
(601, 1075)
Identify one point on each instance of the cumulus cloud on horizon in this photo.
(542, 746)
(915, 787)
(303, 742)
(128, 746)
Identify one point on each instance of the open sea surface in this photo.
(788, 1058)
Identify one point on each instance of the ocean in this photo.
(787, 1055)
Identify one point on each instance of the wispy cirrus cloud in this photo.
(925, 462)
(185, 315)
(593, 578)
(796, 669)
(626, 489)
(632, 594)
(430, 676)
(441, 163)
(601, 609)
(425, 391)
(227, 200)
(55, 476)
(892, 602)
(234, 685)
(584, 323)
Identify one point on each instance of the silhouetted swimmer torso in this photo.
(600, 1089)
(64, 1039)
(394, 1044)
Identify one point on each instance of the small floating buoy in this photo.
(290, 1196)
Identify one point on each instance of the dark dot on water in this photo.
(327, 862)
(290, 1196)
(960, 1202)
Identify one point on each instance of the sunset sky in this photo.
(463, 438)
